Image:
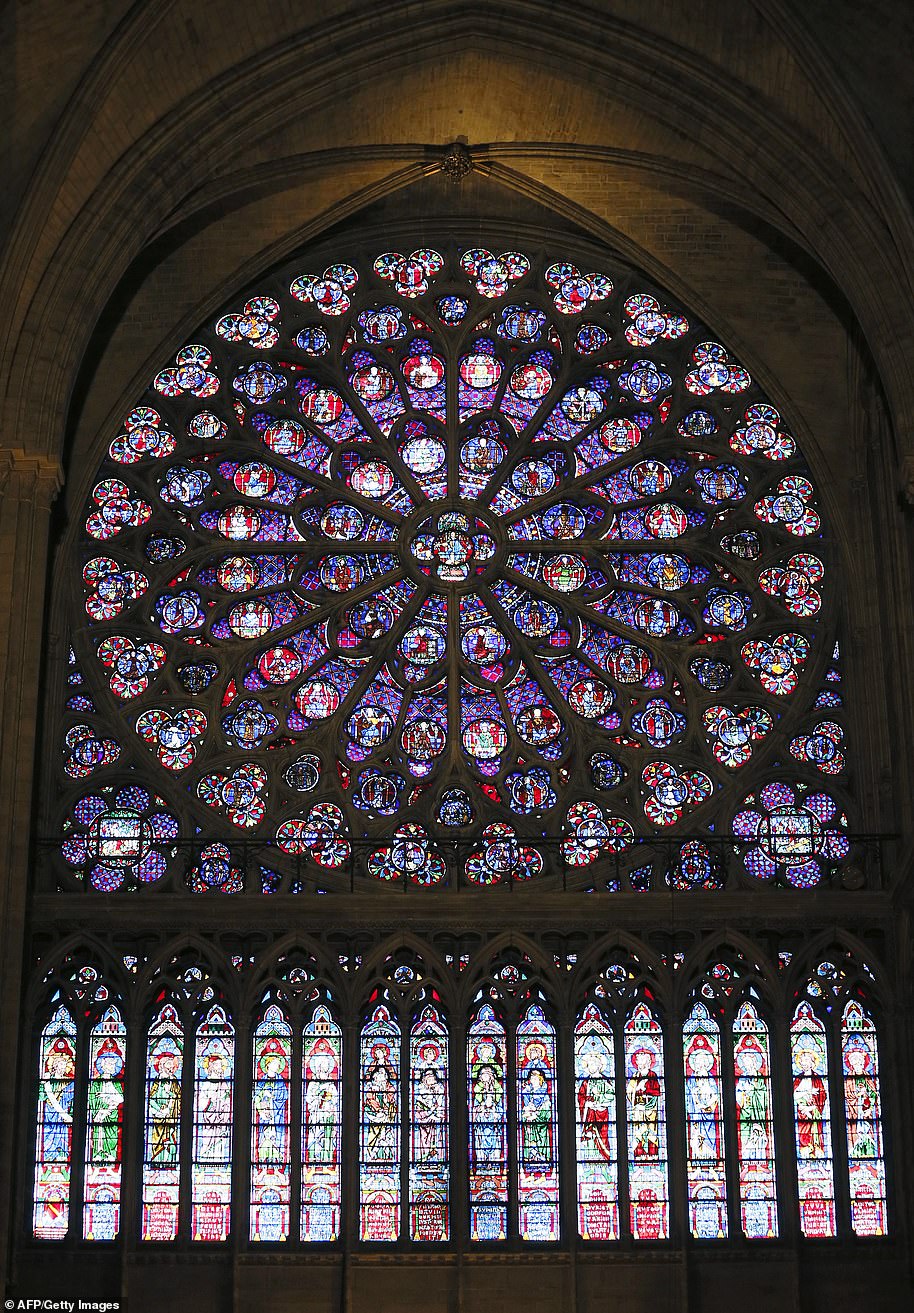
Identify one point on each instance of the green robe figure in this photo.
(752, 1105)
(106, 1099)
(164, 1106)
(861, 1098)
(536, 1119)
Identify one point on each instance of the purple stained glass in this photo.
(428, 514)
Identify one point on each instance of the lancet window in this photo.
(668, 1110)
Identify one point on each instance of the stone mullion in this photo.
(511, 1101)
(297, 1140)
(730, 1124)
(676, 1129)
(835, 1078)
(566, 1141)
(350, 1212)
(615, 1019)
(458, 1123)
(134, 1128)
(28, 486)
(788, 1189)
(243, 1084)
(191, 1018)
(80, 1130)
(895, 1036)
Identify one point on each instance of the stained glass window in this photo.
(211, 1175)
(487, 1083)
(429, 1191)
(645, 1112)
(403, 1116)
(705, 1155)
(104, 1129)
(595, 1121)
(863, 1114)
(451, 568)
(754, 1124)
(537, 1128)
(379, 1140)
(322, 1104)
(812, 1119)
(162, 1141)
(271, 1149)
(407, 550)
(54, 1127)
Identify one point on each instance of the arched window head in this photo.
(459, 543)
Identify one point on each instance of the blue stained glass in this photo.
(54, 1127)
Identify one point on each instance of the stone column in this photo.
(28, 485)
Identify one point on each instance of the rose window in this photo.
(464, 545)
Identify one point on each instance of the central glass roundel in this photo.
(452, 547)
(452, 544)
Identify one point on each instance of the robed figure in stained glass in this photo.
(57, 1089)
(214, 1108)
(861, 1097)
(536, 1107)
(380, 1106)
(643, 1091)
(596, 1101)
(810, 1098)
(752, 1100)
(488, 1107)
(321, 1102)
(271, 1103)
(164, 1103)
(106, 1100)
(429, 1106)
(702, 1100)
